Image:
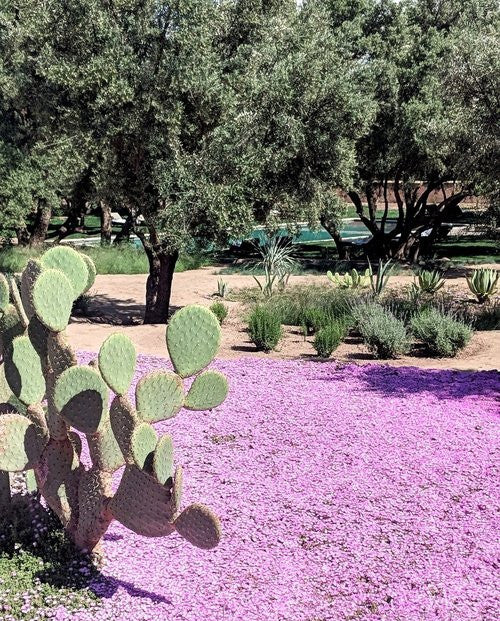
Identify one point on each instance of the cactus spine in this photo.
(48, 403)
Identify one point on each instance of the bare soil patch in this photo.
(118, 304)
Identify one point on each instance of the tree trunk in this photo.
(41, 225)
(127, 228)
(332, 229)
(106, 223)
(159, 284)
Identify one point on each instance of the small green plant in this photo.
(483, 283)
(277, 263)
(265, 329)
(327, 339)
(350, 280)
(313, 319)
(380, 279)
(220, 310)
(443, 335)
(429, 281)
(222, 288)
(384, 334)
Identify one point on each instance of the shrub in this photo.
(483, 284)
(265, 329)
(384, 334)
(443, 335)
(220, 310)
(313, 319)
(327, 339)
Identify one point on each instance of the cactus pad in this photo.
(53, 299)
(159, 395)
(15, 296)
(23, 371)
(81, 397)
(10, 327)
(163, 460)
(142, 504)
(71, 264)
(117, 359)
(207, 391)
(143, 443)
(4, 292)
(193, 338)
(198, 525)
(21, 443)
(30, 274)
(104, 450)
(39, 335)
(92, 272)
(123, 420)
(61, 356)
(94, 516)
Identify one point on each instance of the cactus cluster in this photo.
(49, 404)
(350, 280)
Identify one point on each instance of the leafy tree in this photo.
(423, 135)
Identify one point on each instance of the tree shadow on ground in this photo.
(445, 384)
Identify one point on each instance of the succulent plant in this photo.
(350, 280)
(380, 278)
(49, 403)
(428, 281)
(483, 283)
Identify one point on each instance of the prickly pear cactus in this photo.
(48, 404)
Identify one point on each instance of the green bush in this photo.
(327, 339)
(265, 329)
(220, 310)
(384, 334)
(443, 335)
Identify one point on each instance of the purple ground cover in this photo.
(363, 493)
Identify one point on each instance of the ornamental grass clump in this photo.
(442, 335)
(384, 334)
(264, 326)
(50, 404)
(328, 338)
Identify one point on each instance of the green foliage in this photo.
(384, 334)
(264, 326)
(429, 282)
(38, 362)
(277, 262)
(328, 338)
(379, 279)
(38, 560)
(220, 310)
(350, 280)
(443, 335)
(483, 283)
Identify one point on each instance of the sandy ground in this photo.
(119, 300)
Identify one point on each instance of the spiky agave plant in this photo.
(50, 404)
(483, 283)
(380, 278)
(428, 281)
(277, 262)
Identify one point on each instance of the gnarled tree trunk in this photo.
(41, 224)
(106, 222)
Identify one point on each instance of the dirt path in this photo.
(120, 299)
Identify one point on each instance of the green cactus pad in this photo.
(142, 504)
(15, 296)
(10, 327)
(71, 264)
(53, 299)
(21, 443)
(36, 414)
(207, 391)
(30, 481)
(143, 443)
(61, 355)
(39, 336)
(124, 420)
(177, 487)
(7, 398)
(198, 525)
(92, 272)
(163, 459)
(117, 358)
(159, 395)
(81, 397)
(193, 338)
(31, 272)
(104, 450)
(23, 371)
(4, 292)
